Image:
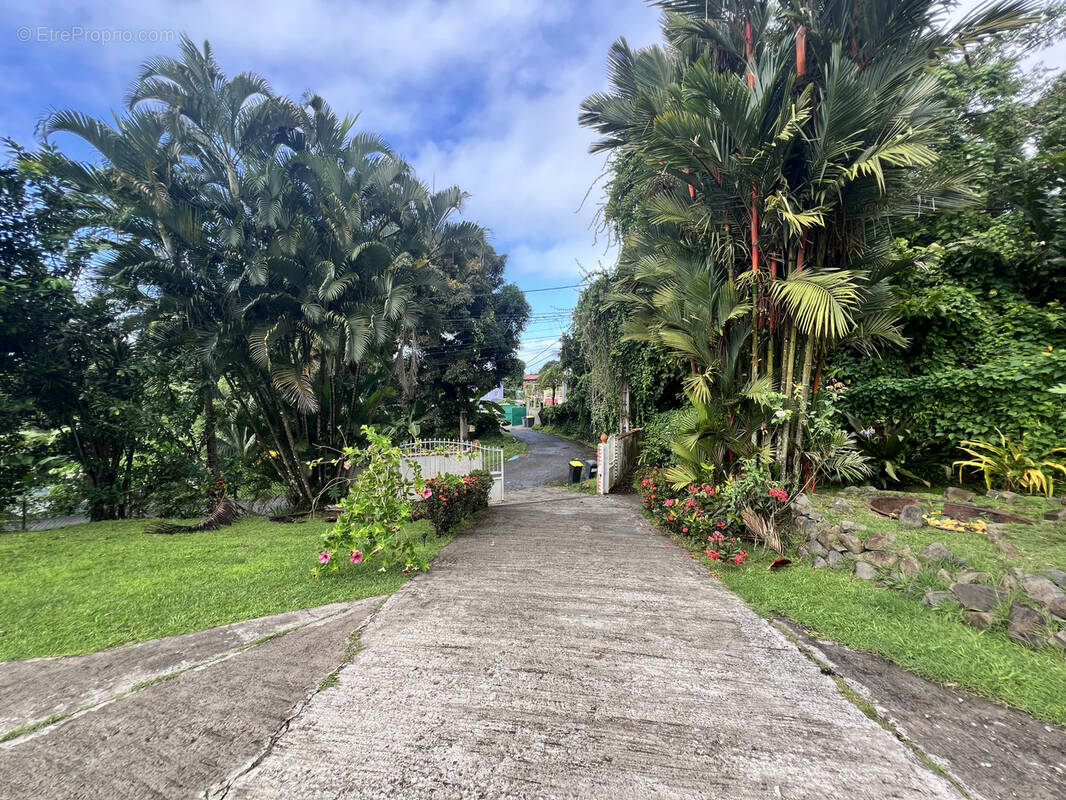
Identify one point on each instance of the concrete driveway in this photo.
(170, 718)
(564, 649)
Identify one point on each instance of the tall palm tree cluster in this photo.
(777, 141)
(291, 254)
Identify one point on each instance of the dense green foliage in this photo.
(902, 250)
(762, 155)
(982, 309)
(600, 366)
(256, 281)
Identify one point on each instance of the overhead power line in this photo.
(553, 288)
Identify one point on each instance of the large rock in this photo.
(840, 506)
(853, 491)
(972, 576)
(847, 526)
(910, 566)
(936, 552)
(979, 619)
(801, 504)
(864, 571)
(879, 541)
(826, 537)
(879, 558)
(851, 542)
(1058, 607)
(911, 516)
(977, 596)
(936, 598)
(834, 559)
(1058, 640)
(944, 576)
(1040, 589)
(820, 563)
(1055, 515)
(1024, 625)
(1057, 576)
(957, 495)
(996, 494)
(816, 548)
(802, 552)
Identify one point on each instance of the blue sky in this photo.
(483, 94)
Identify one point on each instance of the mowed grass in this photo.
(896, 624)
(512, 445)
(90, 587)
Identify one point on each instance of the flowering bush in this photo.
(712, 516)
(449, 499)
(375, 513)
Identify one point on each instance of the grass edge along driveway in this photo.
(933, 643)
(84, 588)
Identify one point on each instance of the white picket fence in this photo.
(615, 458)
(436, 457)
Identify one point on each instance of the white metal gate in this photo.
(616, 457)
(439, 456)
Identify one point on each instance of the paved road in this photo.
(545, 461)
(564, 649)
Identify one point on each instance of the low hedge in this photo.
(453, 498)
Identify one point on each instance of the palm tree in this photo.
(550, 376)
(780, 141)
(271, 240)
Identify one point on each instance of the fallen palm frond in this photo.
(761, 529)
(225, 513)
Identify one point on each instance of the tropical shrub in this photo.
(1013, 465)
(719, 518)
(714, 439)
(1014, 394)
(886, 447)
(660, 430)
(376, 511)
(566, 417)
(449, 499)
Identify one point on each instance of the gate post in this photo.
(603, 466)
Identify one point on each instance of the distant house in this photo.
(529, 390)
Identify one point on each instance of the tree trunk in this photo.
(805, 383)
(788, 350)
(127, 482)
(214, 465)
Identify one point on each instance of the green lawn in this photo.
(936, 644)
(89, 587)
(512, 445)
